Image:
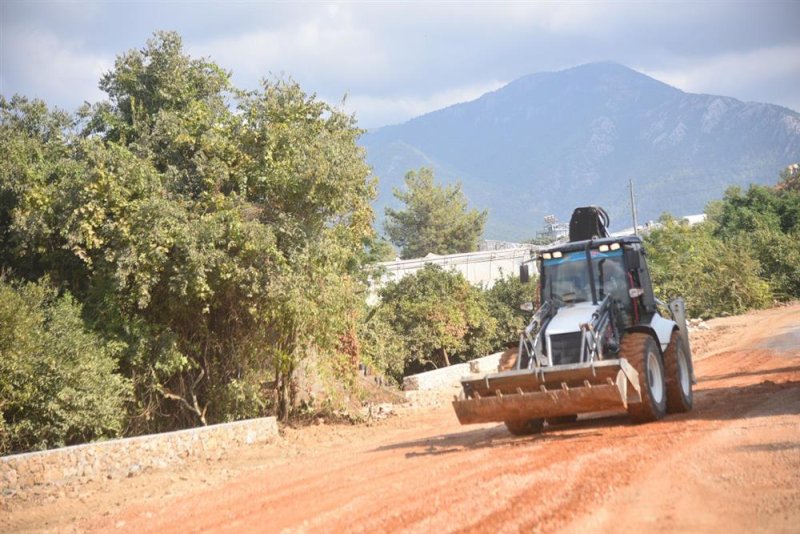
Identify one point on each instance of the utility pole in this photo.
(633, 208)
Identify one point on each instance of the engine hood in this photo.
(569, 318)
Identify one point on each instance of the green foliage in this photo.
(746, 255)
(58, 381)
(435, 219)
(503, 300)
(438, 316)
(715, 277)
(380, 250)
(766, 221)
(435, 317)
(382, 348)
(216, 235)
(779, 256)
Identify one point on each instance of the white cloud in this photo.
(325, 48)
(42, 65)
(754, 75)
(397, 60)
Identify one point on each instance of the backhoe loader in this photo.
(599, 341)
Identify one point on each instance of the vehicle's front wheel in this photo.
(678, 375)
(562, 419)
(525, 428)
(642, 353)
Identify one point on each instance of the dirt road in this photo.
(732, 464)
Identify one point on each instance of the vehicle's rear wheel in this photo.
(525, 428)
(678, 375)
(562, 419)
(508, 360)
(642, 353)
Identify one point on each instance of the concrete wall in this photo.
(436, 379)
(487, 364)
(49, 472)
(484, 267)
(448, 377)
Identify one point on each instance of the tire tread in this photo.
(676, 401)
(633, 349)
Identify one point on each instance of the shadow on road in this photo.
(740, 374)
(770, 447)
(479, 438)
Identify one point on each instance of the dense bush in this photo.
(766, 220)
(438, 316)
(382, 348)
(715, 277)
(504, 299)
(744, 257)
(58, 382)
(435, 318)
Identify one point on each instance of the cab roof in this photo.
(572, 246)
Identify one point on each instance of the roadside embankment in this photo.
(57, 471)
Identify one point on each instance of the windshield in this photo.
(566, 279)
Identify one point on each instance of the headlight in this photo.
(557, 254)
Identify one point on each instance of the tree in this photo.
(435, 218)
(216, 234)
(438, 316)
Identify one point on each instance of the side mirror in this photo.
(524, 273)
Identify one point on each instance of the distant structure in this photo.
(691, 220)
(494, 244)
(484, 267)
(553, 230)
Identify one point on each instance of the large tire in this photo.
(525, 428)
(562, 419)
(678, 373)
(642, 353)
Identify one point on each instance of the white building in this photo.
(479, 268)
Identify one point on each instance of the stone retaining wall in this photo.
(49, 472)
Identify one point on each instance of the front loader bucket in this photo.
(548, 392)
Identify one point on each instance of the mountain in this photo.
(551, 141)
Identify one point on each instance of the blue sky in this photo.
(398, 60)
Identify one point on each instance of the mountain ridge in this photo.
(550, 141)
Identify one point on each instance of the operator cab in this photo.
(566, 278)
(589, 271)
(594, 265)
(591, 275)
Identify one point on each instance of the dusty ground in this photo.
(733, 464)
